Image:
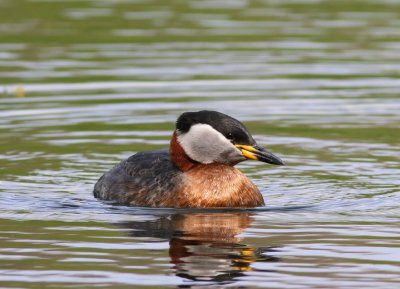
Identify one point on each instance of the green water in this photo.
(84, 84)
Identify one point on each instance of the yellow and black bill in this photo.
(261, 154)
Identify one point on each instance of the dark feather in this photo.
(144, 178)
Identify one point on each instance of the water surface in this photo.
(84, 84)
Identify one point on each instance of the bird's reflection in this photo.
(205, 246)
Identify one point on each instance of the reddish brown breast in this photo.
(217, 185)
(210, 185)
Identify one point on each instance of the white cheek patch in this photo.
(206, 145)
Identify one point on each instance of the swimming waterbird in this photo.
(197, 172)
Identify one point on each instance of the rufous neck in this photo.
(178, 155)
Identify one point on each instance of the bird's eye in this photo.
(229, 136)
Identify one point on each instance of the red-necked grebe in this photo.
(197, 172)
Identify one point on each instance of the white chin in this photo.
(204, 144)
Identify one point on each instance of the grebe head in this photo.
(213, 137)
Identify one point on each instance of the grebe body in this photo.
(197, 172)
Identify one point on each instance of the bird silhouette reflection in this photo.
(205, 246)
